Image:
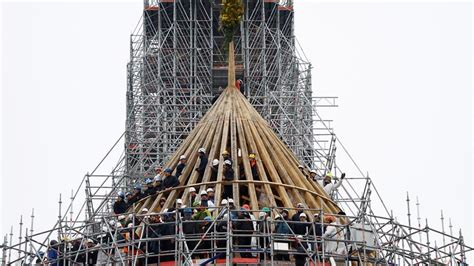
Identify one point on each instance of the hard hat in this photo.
(191, 189)
(182, 157)
(228, 162)
(121, 194)
(144, 210)
(231, 201)
(209, 190)
(252, 156)
(119, 225)
(277, 216)
(111, 222)
(215, 162)
(300, 166)
(179, 201)
(130, 225)
(265, 209)
(168, 170)
(148, 181)
(157, 178)
(207, 218)
(246, 207)
(225, 152)
(329, 219)
(329, 174)
(128, 193)
(158, 169)
(300, 205)
(138, 186)
(188, 210)
(121, 217)
(202, 150)
(303, 215)
(224, 202)
(313, 171)
(203, 193)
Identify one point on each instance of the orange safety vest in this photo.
(136, 251)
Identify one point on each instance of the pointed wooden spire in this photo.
(232, 124)
(231, 69)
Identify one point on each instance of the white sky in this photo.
(402, 72)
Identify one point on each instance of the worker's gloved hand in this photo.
(343, 175)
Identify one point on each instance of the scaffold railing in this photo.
(228, 234)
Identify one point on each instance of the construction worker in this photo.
(253, 166)
(119, 205)
(228, 176)
(181, 165)
(169, 180)
(283, 229)
(264, 227)
(243, 225)
(303, 227)
(299, 211)
(150, 188)
(331, 235)
(162, 202)
(313, 174)
(153, 232)
(301, 251)
(158, 171)
(239, 84)
(210, 195)
(329, 187)
(301, 167)
(202, 212)
(189, 228)
(137, 194)
(205, 200)
(53, 253)
(192, 196)
(214, 169)
(226, 156)
(202, 164)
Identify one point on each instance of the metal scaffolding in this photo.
(177, 66)
(181, 236)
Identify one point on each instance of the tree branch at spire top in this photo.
(231, 14)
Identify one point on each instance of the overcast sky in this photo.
(402, 72)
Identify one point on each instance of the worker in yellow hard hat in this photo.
(226, 156)
(253, 165)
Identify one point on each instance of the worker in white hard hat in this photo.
(192, 196)
(210, 195)
(181, 165)
(202, 164)
(228, 174)
(299, 211)
(313, 174)
(179, 203)
(205, 200)
(214, 169)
